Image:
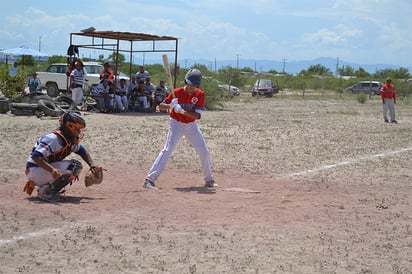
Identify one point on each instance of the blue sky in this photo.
(360, 31)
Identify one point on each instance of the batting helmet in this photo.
(73, 124)
(193, 77)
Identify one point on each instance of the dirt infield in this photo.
(306, 186)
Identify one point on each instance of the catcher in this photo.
(47, 168)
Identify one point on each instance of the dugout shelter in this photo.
(125, 42)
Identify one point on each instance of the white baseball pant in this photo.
(40, 176)
(195, 137)
(77, 95)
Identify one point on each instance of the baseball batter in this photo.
(186, 104)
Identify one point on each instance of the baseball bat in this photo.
(169, 75)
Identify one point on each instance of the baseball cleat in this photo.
(46, 194)
(149, 184)
(211, 183)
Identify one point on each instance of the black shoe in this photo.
(149, 184)
(394, 121)
(386, 121)
(211, 183)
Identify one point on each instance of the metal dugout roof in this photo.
(110, 41)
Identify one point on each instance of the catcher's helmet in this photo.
(193, 77)
(72, 123)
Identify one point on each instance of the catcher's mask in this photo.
(74, 124)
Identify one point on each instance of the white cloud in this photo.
(261, 29)
(340, 36)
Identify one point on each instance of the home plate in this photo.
(238, 189)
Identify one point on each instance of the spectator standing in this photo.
(76, 82)
(14, 71)
(388, 96)
(142, 73)
(34, 84)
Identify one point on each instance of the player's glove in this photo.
(178, 109)
(94, 176)
(173, 103)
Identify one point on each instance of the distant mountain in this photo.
(287, 66)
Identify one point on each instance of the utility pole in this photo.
(237, 61)
(39, 45)
(337, 67)
(284, 63)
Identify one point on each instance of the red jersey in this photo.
(388, 91)
(189, 103)
(109, 74)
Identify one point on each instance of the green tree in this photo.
(316, 70)
(27, 60)
(57, 59)
(248, 69)
(401, 73)
(112, 58)
(346, 71)
(273, 71)
(362, 73)
(229, 75)
(319, 70)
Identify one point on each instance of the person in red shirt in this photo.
(388, 96)
(186, 104)
(107, 73)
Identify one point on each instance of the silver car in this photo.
(366, 87)
(233, 90)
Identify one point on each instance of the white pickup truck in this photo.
(55, 79)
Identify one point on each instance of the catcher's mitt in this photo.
(94, 176)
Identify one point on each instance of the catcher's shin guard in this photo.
(57, 185)
(75, 167)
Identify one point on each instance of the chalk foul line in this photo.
(345, 163)
(31, 235)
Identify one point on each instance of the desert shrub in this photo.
(10, 88)
(214, 99)
(361, 98)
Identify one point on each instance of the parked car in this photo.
(55, 79)
(366, 87)
(122, 75)
(264, 87)
(226, 91)
(230, 90)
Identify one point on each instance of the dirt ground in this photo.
(306, 186)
